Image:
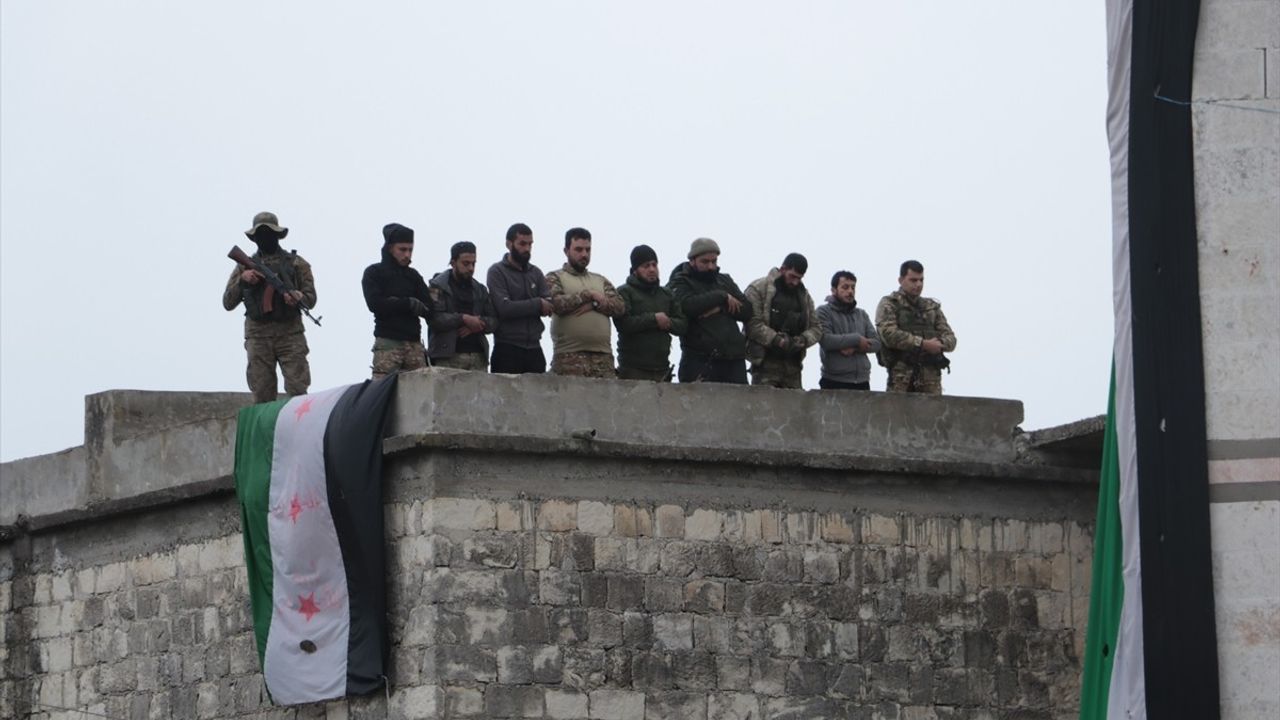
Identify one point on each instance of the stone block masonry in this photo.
(531, 577)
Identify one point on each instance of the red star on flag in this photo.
(295, 509)
(303, 409)
(307, 606)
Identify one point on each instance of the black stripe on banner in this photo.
(1181, 648)
(353, 466)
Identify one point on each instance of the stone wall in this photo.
(575, 578)
(1237, 165)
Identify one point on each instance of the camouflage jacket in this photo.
(287, 321)
(760, 335)
(904, 324)
(572, 328)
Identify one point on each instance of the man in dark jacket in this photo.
(397, 296)
(848, 337)
(652, 317)
(463, 314)
(783, 324)
(713, 348)
(521, 299)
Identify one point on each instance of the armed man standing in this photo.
(652, 316)
(783, 324)
(397, 296)
(463, 314)
(273, 332)
(914, 334)
(713, 348)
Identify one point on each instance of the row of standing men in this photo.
(722, 329)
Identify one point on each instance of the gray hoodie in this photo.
(843, 326)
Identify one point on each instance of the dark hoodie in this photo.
(387, 288)
(717, 335)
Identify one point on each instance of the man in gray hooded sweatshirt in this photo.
(848, 337)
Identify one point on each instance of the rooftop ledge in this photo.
(144, 448)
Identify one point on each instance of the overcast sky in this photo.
(138, 139)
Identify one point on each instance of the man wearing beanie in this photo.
(713, 348)
(583, 302)
(463, 314)
(848, 336)
(783, 324)
(521, 299)
(273, 332)
(651, 318)
(397, 296)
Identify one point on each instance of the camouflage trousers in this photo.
(584, 364)
(391, 356)
(290, 352)
(463, 361)
(776, 373)
(626, 373)
(903, 377)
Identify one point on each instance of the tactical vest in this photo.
(282, 264)
(916, 319)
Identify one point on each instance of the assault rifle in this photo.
(275, 283)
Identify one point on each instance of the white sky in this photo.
(137, 139)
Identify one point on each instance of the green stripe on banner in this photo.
(1106, 596)
(255, 439)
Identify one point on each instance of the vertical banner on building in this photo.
(1151, 648)
(308, 475)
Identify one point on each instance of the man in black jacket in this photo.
(713, 347)
(397, 296)
(462, 314)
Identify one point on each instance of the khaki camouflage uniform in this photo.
(903, 324)
(275, 341)
(393, 355)
(586, 336)
(769, 365)
(463, 361)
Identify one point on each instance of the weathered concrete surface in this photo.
(143, 448)
(947, 429)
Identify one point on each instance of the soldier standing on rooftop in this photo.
(397, 296)
(583, 302)
(914, 334)
(274, 336)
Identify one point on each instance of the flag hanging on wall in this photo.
(1151, 648)
(308, 474)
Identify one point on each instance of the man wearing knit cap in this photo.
(521, 299)
(713, 348)
(783, 324)
(651, 318)
(463, 314)
(583, 302)
(397, 296)
(273, 332)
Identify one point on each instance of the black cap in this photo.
(462, 247)
(642, 254)
(396, 233)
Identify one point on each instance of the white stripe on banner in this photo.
(306, 657)
(1127, 694)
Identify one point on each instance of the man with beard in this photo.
(397, 296)
(848, 336)
(463, 314)
(713, 348)
(652, 316)
(783, 324)
(275, 336)
(583, 302)
(914, 333)
(521, 299)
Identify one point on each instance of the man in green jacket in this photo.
(783, 324)
(652, 317)
(713, 348)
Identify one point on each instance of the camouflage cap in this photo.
(268, 220)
